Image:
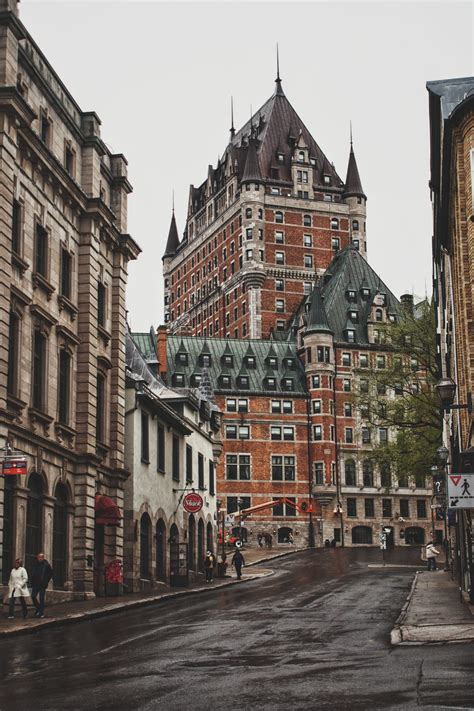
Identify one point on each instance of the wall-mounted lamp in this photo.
(447, 390)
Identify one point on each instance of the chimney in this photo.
(407, 302)
(161, 343)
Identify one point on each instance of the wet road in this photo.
(313, 636)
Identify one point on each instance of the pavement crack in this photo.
(418, 684)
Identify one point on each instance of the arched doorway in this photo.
(191, 542)
(161, 550)
(60, 536)
(209, 537)
(284, 533)
(201, 552)
(7, 550)
(145, 548)
(237, 531)
(34, 520)
(414, 536)
(362, 535)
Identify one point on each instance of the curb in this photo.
(104, 611)
(278, 555)
(396, 635)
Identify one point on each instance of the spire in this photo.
(232, 128)
(173, 238)
(252, 168)
(278, 90)
(317, 320)
(353, 186)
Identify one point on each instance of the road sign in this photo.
(461, 491)
(192, 502)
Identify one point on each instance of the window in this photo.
(279, 285)
(405, 508)
(319, 473)
(100, 408)
(347, 409)
(66, 268)
(175, 466)
(248, 254)
(278, 433)
(350, 472)
(327, 197)
(335, 243)
(346, 359)
(369, 508)
(279, 237)
(200, 471)
(352, 508)
(307, 288)
(64, 386)
(368, 473)
(280, 325)
(383, 435)
(233, 506)
(378, 315)
(248, 233)
(69, 160)
(364, 360)
(145, 443)
(316, 407)
(307, 220)
(365, 435)
(349, 435)
(283, 468)
(355, 225)
(39, 370)
(308, 261)
(189, 464)
(420, 508)
(278, 217)
(16, 227)
(346, 385)
(279, 257)
(317, 433)
(41, 251)
(13, 353)
(307, 241)
(279, 305)
(101, 304)
(380, 362)
(334, 223)
(324, 354)
(160, 455)
(45, 129)
(363, 385)
(385, 476)
(364, 410)
(287, 406)
(248, 212)
(316, 381)
(387, 508)
(212, 483)
(381, 389)
(238, 466)
(285, 509)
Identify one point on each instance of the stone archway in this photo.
(161, 550)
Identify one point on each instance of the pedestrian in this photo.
(260, 540)
(209, 564)
(327, 543)
(17, 588)
(40, 576)
(333, 543)
(431, 554)
(291, 540)
(238, 562)
(270, 540)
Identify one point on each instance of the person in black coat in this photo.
(238, 561)
(40, 576)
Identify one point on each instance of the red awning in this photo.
(107, 512)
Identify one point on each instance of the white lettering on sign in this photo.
(461, 491)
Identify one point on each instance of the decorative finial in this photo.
(350, 124)
(232, 129)
(279, 90)
(172, 201)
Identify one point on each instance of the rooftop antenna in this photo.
(172, 201)
(350, 124)
(232, 129)
(278, 79)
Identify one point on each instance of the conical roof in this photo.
(173, 239)
(317, 318)
(353, 186)
(252, 169)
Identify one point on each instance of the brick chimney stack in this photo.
(161, 344)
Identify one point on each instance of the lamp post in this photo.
(443, 454)
(221, 520)
(239, 504)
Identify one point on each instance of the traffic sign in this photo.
(461, 491)
(192, 502)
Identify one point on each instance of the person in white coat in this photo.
(17, 588)
(431, 554)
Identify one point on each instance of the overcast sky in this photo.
(160, 76)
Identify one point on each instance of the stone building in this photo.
(172, 447)
(451, 113)
(261, 228)
(63, 259)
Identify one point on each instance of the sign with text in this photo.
(192, 502)
(461, 491)
(12, 467)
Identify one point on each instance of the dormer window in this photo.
(312, 161)
(250, 361)
(269, 383)
(301, 157)
(243, 382)
(178, 380)
(378, 315)
(354, 315)
(205, 360)
(182, 358)
(195, 379)
(228, 360)
(350, 335)
(224, 381)
(287, 384)
(326, 179)
(351, 294)
(272, 362)
(392, 318)
(365, 293)
(281, 157)
(289, 363)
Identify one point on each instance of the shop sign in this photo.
(12, 467)
(192, 502)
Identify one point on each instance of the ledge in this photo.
(19, 263)
(40, 282)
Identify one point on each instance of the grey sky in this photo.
(160, 76)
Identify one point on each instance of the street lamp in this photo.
(446, 388)
(239, 504)
(443, 454)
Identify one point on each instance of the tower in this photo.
(355, 197)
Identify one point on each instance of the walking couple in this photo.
(18, 586)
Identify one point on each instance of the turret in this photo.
(355, 197)
(172, 245)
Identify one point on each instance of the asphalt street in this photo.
(313, 636)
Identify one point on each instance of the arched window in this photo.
(145, 530)
(160, 550)
(191, 542)
(201, 552)
(334, 223)
(301, 156)
(368, 473)
(34, 520)
(350, 472)
(362, 535)
(284, 533)
(209, 537)
(60, 535)
(278, 216)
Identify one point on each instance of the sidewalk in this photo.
(69, 612)
(433, 613)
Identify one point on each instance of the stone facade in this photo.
(64, 256)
